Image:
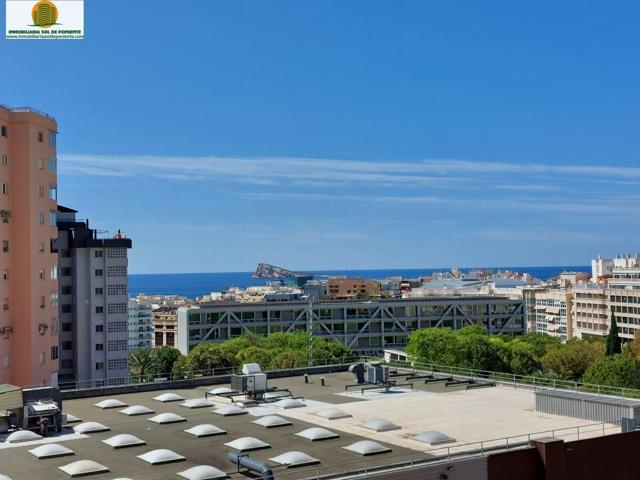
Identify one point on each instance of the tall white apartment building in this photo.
(140, 325)
(553, 313)
(604, 266)
(590, 311)
(624, 299)
(93, 304)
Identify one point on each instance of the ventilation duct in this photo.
(254, 465)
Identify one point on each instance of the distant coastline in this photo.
(197, 284)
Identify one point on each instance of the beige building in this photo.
(553, 313)
(590, 311)
(624, 300)
(28, 267)
(165, 327)
(346, 288)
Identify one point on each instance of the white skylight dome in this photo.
(221, 390)
(433, 437)
(317, 433)
(271, 421)
(205, 430)
(161, 456)
(164, 418)
(169, 397)
(202, 472)
(82, 468)
(22, 436)
(226, 410)
(246, 444)
(380, 425)
(136, 410)
(294, 459)
(367, 447)
(4, 477)
(332, 413)
(290, 403)
(110, 403)
(124, 440)
(196, 403)
(90, 427)
(72, 418)
(51, 450)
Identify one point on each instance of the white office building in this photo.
(140, 324)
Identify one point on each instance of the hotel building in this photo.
(28, 267)
(94, 336)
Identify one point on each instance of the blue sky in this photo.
(346, 134)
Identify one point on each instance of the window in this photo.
(41, 247)
(53, 298)
(67, 326)
(119, 326)
(117, 271)
(41, 191)
(5, 274)
(99, 328)
(68, 345)
(99, 291)
(99, 365)
(53, 218)
(4, 159)
(53, 272)
(65, 271)
(100, 309)
(98, 253)
(54, 353)
(40, 137)
(53, 192)
(52, 138)
(99, 347)
(53, 165)
(99, 272)
(117, 345)
(65, 308)
(117, 253)
(5, 246)
(5, 304)
(6, 215)
(66, 290)
(40, 218)
(42, 302)
(41, 274)
(117, 308)
(40, 163)
(117, 289)
(5, 189)
(66, 363)
(3, 130)
(118, 364)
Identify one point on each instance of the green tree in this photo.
(522, 358)
(541, 342)
(142, 363)
(182, 368)
(572, 359)
(433, 345)
(614, 342)
(164, 358)
(208, 356)
(258, 355)
(476, 350)
(617, 370)
(633, 348)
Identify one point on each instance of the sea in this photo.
(194, 285)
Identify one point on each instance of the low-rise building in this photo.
(140, 324)
(349, 288)
(367, 327)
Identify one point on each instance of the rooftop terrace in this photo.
(477, 420)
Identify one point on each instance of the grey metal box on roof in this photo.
(600, 408)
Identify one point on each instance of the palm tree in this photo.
(142, 363)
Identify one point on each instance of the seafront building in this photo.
(28, 267)
(140, 324)
(366, 326)
(94, 297)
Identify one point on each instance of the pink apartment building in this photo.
(28, 267)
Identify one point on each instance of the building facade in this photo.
(590, 311)
(94, 337)
(367, 327)
(28, 267)
(624, 299)
(350, 288)
(553, 313)
(165, 327)
(140, 325)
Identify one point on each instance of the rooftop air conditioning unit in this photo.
(251, 380)
(377, 373)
